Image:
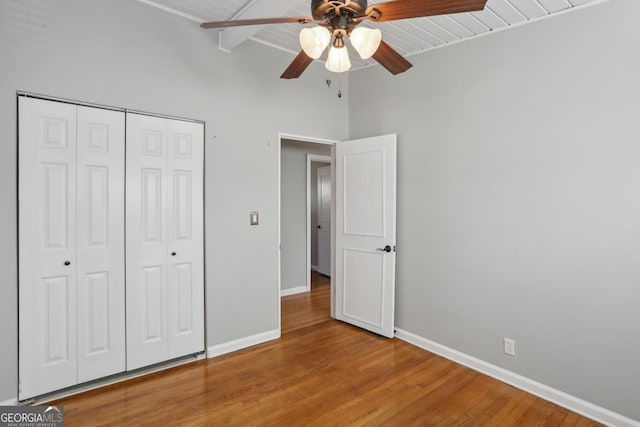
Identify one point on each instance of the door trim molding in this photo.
(312, 158)
(568, 401)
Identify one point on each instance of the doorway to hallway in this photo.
(305, 213)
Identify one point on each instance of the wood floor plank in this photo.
(320, 373)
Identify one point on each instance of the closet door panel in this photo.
(185, 238)
(47, 250)
(146, 268)
(101, 271)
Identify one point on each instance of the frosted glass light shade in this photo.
(366, 41)
(314, 40)
(338, 60)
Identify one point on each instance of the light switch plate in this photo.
(253, 218)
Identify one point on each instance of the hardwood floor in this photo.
(320, 373)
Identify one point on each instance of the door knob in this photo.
(67, 263)
(385, 249)
(173, 254)
(319, 226)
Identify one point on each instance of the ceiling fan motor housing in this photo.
(322, 9)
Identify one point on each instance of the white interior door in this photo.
(366, 233)
(100, 237)
(71, 226)
(324, 219)
(165, 246)
(146, 242)
(185, 239)
(47, 249)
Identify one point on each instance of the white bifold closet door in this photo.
(165, 259)
(71, 239)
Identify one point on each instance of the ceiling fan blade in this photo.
(404, 9)
(297, 67)
(390, 59)
(243, 22)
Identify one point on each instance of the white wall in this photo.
(123, 53)
(519, 197)
(294, 210)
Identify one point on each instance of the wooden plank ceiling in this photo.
(408, 37)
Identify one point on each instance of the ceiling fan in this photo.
(339, 19)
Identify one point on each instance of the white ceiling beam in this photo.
(232, 37)
(171, 10)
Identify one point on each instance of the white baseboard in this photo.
(239, 344)
(321, 271)
(293, 291)
(10, 402)
(573, 403)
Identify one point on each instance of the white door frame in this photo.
(300, 138)
(312, 158)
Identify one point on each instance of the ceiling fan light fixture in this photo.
(366, 41)
(338, 60)
(314, 41)
(339, 18)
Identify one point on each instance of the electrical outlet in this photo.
(510, 346)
